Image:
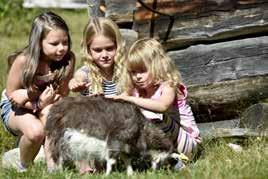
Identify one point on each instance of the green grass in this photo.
(216, 161)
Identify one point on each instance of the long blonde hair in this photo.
(106, 27)
(148, 54)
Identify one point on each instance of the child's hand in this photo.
(33, 92)
(57, 97)
(119, 97)
(47, 97)
(77, 86)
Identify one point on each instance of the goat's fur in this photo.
(86, 128)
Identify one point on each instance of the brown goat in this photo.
(87, 128)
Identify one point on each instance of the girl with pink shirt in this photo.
(152, 81)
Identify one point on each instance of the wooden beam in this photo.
(121, 11)
(227, 129)
(191, 8)
(228, 99)
(207, 64)
(209, 27)
(252, 22)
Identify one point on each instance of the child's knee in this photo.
(36, 135)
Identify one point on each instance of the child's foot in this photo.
(20, 168)
(11, 159)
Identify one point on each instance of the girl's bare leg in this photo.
(32, 132)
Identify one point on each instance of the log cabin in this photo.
(219, 46)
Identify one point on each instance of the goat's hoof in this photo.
(129, 171)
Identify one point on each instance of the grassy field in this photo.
(217, 160)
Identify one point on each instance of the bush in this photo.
(12, 15)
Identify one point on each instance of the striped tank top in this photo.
(109, 87)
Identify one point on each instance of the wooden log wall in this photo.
(219, 46)
(121, 11)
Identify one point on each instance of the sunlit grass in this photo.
(216, 161)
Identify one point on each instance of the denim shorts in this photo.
(6, 109)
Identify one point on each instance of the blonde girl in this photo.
(38, 76)
(104, 54)
(153, 82)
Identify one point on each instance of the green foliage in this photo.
(5, 6)
(7, 141)
(12, 15)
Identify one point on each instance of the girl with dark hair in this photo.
(38, 77)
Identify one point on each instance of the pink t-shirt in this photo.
(187, 120)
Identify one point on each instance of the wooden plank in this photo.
(227, 128)
(209, 27)
(121, 11)
(236, 132)
(213, 30)
(224, 78)
(228, 99)
(207, 64)
(193, 8)
(227, 124)
(94, 8)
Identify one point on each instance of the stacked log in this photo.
(224, 78)
(199, 21)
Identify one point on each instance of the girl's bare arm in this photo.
(63, 88)
(15, 91)
(79, 82)
(160, 105)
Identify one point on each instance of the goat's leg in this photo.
(129, 167)
(60, 165)
(109, 165)
(56, 166)
(109, 162)
(127, 162)
(51, 164)
(157, 158)
(155, 164)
